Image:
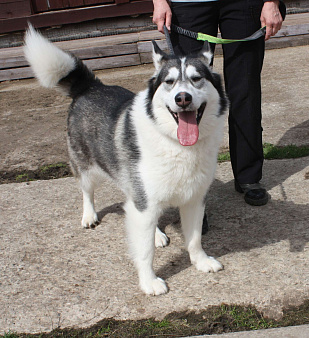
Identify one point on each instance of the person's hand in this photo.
(271, 18)
(162, 14)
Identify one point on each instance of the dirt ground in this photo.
(33, 119)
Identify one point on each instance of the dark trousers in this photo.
(243, 62)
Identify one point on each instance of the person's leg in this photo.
(197, 17)
(242, 69)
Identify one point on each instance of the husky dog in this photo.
(160, 145)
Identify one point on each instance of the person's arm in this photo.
(162, 14)
(271, 17)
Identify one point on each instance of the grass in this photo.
(214, 320)
(272, 152)
(46, 172)
(291, 151)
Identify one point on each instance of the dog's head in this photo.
(182, 92)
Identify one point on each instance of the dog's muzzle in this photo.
(199, 113)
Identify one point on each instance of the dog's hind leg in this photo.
(90, 218)
(141, 227)
(191, 220)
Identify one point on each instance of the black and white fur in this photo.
(133, 140)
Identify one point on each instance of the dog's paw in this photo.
(90, 220)
(208, 264)
(155, 287)
(161, 240)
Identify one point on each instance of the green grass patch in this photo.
(52, 167)
(291, 151)
(46, 172)
(248, 318)
(10, 335)
(224, 157)
(272, 152)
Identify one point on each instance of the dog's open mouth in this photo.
(188, 122)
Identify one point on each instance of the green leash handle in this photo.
(212, 39)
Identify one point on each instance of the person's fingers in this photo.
(168, 21)
(160, 25)
(268, 33)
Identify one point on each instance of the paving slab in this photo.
(55, 273)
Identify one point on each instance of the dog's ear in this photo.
(206, 53)
(158, 56)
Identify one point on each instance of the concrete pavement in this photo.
(301, 331)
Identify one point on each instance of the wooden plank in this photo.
(296, 19)
(75, 3)
(102, 52)
(55, 4)
(114, 62)
(297, 4)
(40, 5)
(96, 2)
(68, 16)
(150, 35)
(82, 53)
(111, 40)
(94, 64)
(294, 30)
(6, 53)
(284, 42)
(146, 57)
(15, 9)
(11, 1)
(13, 62)
(15, 74)
(146, 46)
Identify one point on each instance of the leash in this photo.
(168, 40)
(205, 37)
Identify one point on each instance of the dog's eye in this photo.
(169, 82)
(196, 78)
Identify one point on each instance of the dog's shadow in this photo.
(116, 208)
(238, 227)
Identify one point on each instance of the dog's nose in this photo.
(183, 99)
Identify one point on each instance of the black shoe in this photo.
(205, 226)
(254, 193)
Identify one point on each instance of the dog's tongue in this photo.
(187, 132)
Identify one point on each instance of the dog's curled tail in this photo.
(54, 67)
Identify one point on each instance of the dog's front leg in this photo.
(141, 227)
(191, 220)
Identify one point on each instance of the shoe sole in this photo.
(256, 202)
